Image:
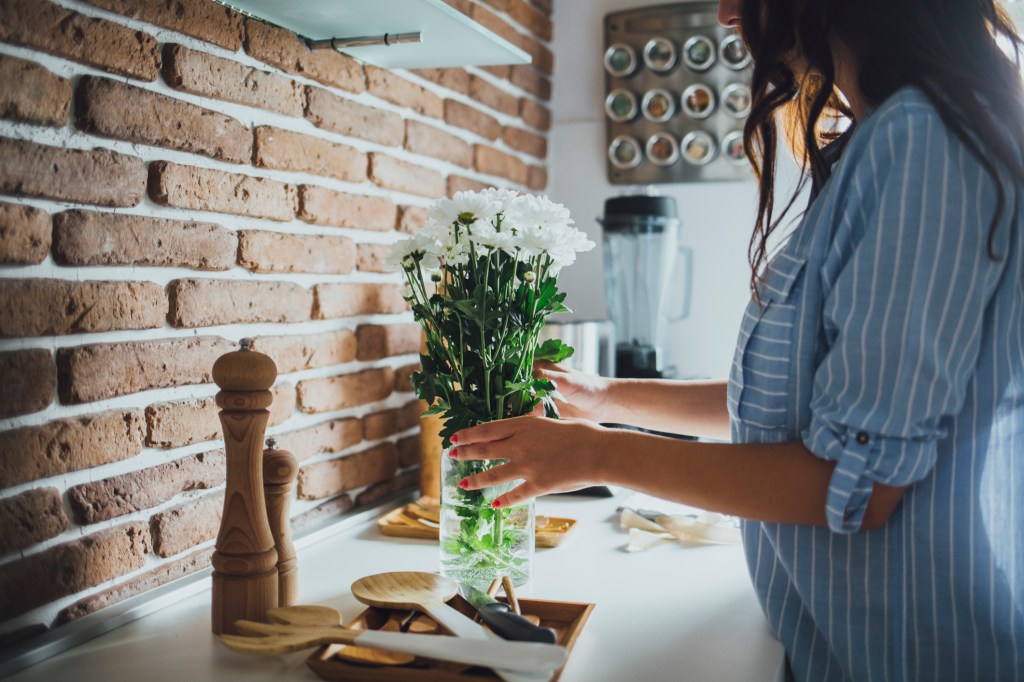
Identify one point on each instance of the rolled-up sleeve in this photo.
(902, 312)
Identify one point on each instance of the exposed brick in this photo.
(29, 92)
(181, 422)
(205, 189)
(409, 451)
(464, 6)
(125, 112)
(383, 489)
(72, 444)
(458, 183)
(47, 307)
(492, 22)
(127, 493)
(543, 59)
(380, 341)
(428, 140)
(165, 573)
(29, 380)
(531, 80)
(187, 525)
(402, 176)
(544, 6)
(330, 436)
(472, 119)
(493, 162)
(24, 234)
(322, 206)
(534, 114)
(456, 79)
(525, 141)
(31, 517)
(372, 257)
(286, 150)
(45, 26)
(264, 251)
(92, 177)
(71, 567)
(286, 397)
(403, 377)
(208, 76)
(106, 370)
(537, 178)
(500, 72)
(338, 393)
(339, 115)
(98, 238)
(322, 514)
(412, 218)
(324, 479)
(345, 299)
(403, 92)
(308, 351)
(500, 5)
(207, 302)
(207, 21)
(387, 422)
(286, 51)
(532, 19)
(492, 96)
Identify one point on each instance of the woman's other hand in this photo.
(585, 396)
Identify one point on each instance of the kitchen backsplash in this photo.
(174, 177)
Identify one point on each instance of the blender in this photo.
(647, 281)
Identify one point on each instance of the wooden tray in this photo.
(404, 523)
(566, 618)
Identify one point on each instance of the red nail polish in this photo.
(455, 439)
(495, 504)
(453, 453)
(463, 484)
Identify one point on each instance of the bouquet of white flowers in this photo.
(482, 280)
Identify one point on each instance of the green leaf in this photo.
(437, 408)
(553, 350)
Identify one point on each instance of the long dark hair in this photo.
(947, 48)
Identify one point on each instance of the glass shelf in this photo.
(449, 38)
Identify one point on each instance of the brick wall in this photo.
(174, 177)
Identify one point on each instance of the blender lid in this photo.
(629, 213)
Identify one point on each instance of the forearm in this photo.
(694, 408)
(776, 482)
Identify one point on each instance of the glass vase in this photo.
(480, 543)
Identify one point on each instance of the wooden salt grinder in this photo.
(279, 471)
(244, 558)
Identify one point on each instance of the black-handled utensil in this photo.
(500, 618)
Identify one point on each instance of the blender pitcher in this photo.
(647, 281)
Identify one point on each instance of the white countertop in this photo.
(674, 612)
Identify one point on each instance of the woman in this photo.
(876, 401)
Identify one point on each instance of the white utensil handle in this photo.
(531, 657)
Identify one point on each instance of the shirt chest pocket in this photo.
(762, 384)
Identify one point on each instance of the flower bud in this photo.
(529, 276)
(435, 277)
(408, 263)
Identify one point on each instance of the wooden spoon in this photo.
(324, 615)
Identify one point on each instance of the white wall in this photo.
(716, 217)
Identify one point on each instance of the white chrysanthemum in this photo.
(422, 247)
(537, 212)
(505, 197)
(485, 234)
(464, 207)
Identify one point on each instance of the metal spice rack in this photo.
(677, 94)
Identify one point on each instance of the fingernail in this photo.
(495, 504)
(463, 484)
(455, 439)
(453, 453)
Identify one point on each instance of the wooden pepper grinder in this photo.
(244, 558)
(280, 468)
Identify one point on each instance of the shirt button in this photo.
(862, 438)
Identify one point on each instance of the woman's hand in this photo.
(550, 455)
(585, 395)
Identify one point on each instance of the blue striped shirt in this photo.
(892, 344)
